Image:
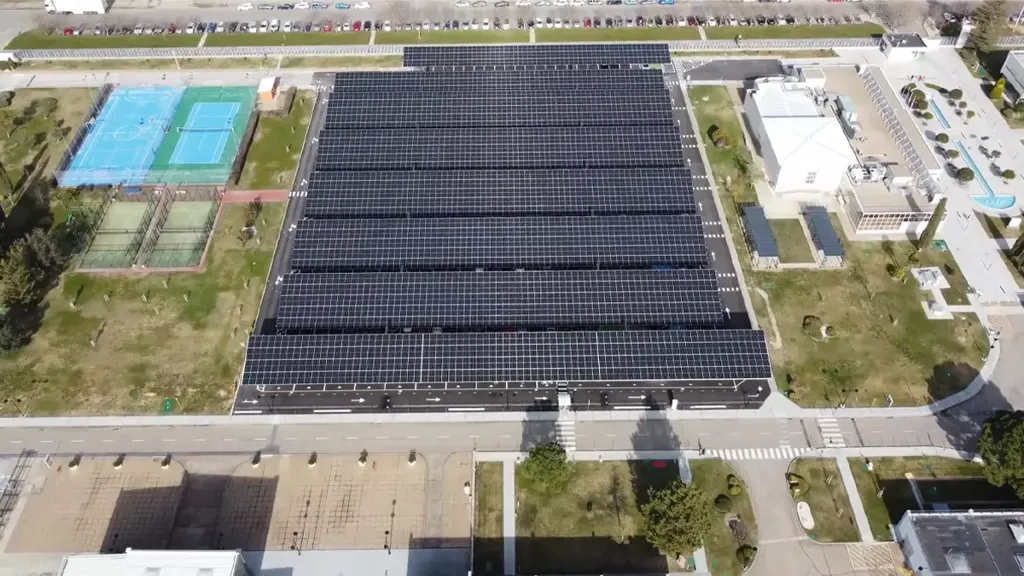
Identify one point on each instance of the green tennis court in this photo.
(184, 234)
(119, 236)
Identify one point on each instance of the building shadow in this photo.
(142, 518)
(538, 428)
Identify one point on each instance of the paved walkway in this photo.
(508, 516)
(855, 502)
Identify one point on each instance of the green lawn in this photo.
(287, 39)
(270, 63)
(277, 145)
(887, 495)
(794, 32)
(827, 498)
(47, 39)
(617, 34)
(593, 526)
(488, 547)
(721, 544)
(452, 37)
(791, 241)
(147, 349)
(996, 227)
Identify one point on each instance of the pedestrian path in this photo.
(863, 526)
(565, 433)
(508, 521)
(780, 453)
(831, 433)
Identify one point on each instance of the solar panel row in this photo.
(420, 193)
(481, 300)
(495, 81)
(508, 147)
(506, 55)
(499, 243)
(822, 232)
(586, 356)
(370, 115)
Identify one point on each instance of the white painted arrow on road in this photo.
(433, 399)
(359, 400)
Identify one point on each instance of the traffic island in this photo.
(732, 543)
(817, 488)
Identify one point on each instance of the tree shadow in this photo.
(962, 423)
(538, 428)
(653, 433)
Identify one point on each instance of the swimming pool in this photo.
(938, 114)
(990, 199)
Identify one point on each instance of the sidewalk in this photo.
(855, 502)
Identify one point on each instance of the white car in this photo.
(462, 4)
(264, 26)
(733, 21)
(561, 2)
(539, 22)
(712, 21)
(522, 2)
(426, 24)
(275, 25)
(362, 6)
(558, 22)
(347, 26)
(302, 6)
(486, 25)
(577, 3)
(253, 27)
(246, 6)
(387, 25)
(474, 25)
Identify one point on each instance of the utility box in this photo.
(267, 89)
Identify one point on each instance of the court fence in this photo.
(83, 130)
(102, 251)
(243, 148)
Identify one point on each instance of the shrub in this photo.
(956, 93)
(548, 466)
(6, 98)
(735, 490)
(1009, 113)
(927, 115)
(723, 504)
(798, 485)
(732, 479)
(1008, 174)
(920, 104)
(812, 326)
(942, 138)
(965, 174)
(962, 104)
(952, 154)
(745, 555)
(997, 90)
(918, 95)
(970, 114)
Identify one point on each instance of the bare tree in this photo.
(893, 15)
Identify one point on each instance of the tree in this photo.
(927, 115)
(920, 104)
(1008, 174)
(956, 93)
(43, 250)
(996, 93)
(10, 339)
(988, 22)
(1001, 446)
(677, 518)
(933, 224)
(952, 154)
(965, 174)
(942, 138)
(548, 466)
(252, 212)
(15, 278)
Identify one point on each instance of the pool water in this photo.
(938, 114)
(990, 199)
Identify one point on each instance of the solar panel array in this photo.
(537, 55)
(822, 232)
(760, 234)
(499, 224)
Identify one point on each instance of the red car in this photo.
(587, 23)
(355, 26)
(327, 26)
(68, 31)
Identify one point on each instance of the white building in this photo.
(157, 563)
(1013, 71)
(902, 47)
(804, 147)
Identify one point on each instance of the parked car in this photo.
(246, 6)
(302, 6)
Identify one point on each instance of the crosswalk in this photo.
(565, 433)
(297, 193)
(831, 434)
(780, 453)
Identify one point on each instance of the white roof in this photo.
(809, 141)
(153, 563)
(267, 84)
(773, 100)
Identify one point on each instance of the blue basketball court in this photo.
(122, 141)
(206, 133)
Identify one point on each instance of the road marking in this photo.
(382, 438)
(137, 440)
(290, 439)
(351, 437)
(229, 439)
(199, 439)
(611, 435)
(106, 441)
(321, 438)
(704, 434)
(260, 439)
(16, 441)
(444, 437)
(503, 436)
(766, 433)
(77, 441)
(168, 440)
(46, 441)
(412, 437)
(473, 436)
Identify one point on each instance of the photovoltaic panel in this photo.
(536, 55)
(498, 243)
(483, 300)
(507, 82)
(523, 110)
(421, 193)
(822, 232)
(760, 233)
(584, 356)
(536, 147)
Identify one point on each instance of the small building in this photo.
(902, 47)
(955, 543)
(1013, 71)
(267, 90)
(157, 563)
(804, 148)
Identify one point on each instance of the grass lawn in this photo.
(488, 546)
(866, 30)
(452, 37)
(996, 227)
(883, 343)
(311, 62)
(721, 544)
(36, 124)
(47, 39)
(616, 34)
(274, 154)
(147, 351)
(830, 505)
(594, 525)
(938, 478)
(790, 239)
(781, 53)
(287, 39)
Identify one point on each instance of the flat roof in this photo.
(808, 140)
(875, 145)
(971, 543)
(773, 100)
(153, 563)
(905, 40)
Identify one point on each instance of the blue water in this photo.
(938, 114)
(990, 199)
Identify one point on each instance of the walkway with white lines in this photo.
(781, 453)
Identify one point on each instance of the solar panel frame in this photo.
(542, 54)
(483, 300)
(354, 84)
(822, 231)
(760, 233)
(549, 242)
(431, 193)
(507, 147)
(454, 358)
